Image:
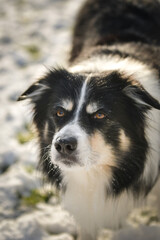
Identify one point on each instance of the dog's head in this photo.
(91, 120)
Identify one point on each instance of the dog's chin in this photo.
(67, 162)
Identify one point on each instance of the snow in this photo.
(36, 35)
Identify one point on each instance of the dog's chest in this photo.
(86, 199)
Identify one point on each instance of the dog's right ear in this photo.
(34, 91)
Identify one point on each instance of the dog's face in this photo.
(83, 124)
(87, 120)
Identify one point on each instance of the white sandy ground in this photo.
(46, 25)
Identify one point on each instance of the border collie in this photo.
(98, 121)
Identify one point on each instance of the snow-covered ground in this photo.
(36, 35)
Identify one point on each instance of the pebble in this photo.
(7, 159)
(55, 220)
(64, 236)
(23, 228)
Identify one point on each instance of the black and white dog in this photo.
(98, 121)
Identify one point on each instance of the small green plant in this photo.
(35, 197)
(26, 135)
(151, 215)
(153, 219)
(20, 3)
(33, 51)
(29, 169)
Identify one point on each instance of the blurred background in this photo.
(36, 35)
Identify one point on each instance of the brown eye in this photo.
(99, 115)
(60, 113)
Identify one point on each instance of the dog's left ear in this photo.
(34, 91)
(141, 96)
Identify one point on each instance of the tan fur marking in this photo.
(104, 152)
(67, 104)
(46, 130)
(91, 108)
(124, 141)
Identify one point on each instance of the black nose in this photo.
(66, 145)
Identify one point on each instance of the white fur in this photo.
(111, 63)
(141, 72)
(86, 199)
(81, 99)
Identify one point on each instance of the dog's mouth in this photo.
(68, 161)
